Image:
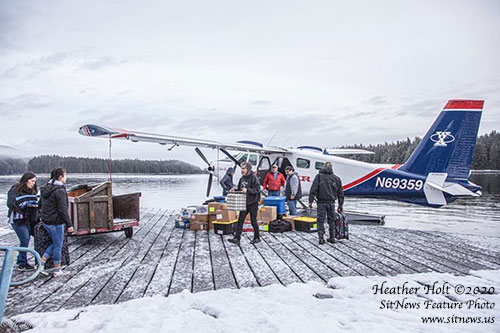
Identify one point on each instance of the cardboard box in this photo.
(267, 213)
(199, 218)
(211, 220)
(213, 207)
(225, 215)
(202, 209)
(188, 211)
(196, 225)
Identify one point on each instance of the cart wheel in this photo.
(129, 232)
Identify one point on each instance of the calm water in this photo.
(479, 216)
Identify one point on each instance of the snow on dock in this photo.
(162, 260)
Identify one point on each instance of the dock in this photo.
(162, 260)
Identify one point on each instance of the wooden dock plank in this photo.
(162, 277)
(202, 271)
(427, 251)
(78, 277)
(471, 252)
(414, 253)
(222, 273)
(315, 265)
(357, 266)
(447, 249)
(403, 259)
(242, 271)
(295, 264)
(138, 284)
(183, 273)
(335, 264)
(114, 287)
(280, 268)
(263, 273)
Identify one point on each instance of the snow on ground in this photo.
(346, 303)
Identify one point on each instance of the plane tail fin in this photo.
(449, 144)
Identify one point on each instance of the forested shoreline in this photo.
(486, 157)
(45, 163)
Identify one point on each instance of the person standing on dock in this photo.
(55, 217)
(293, 190)
(22, 203)
(273, 182)
(227, 181)
(326, 188)
(250, 185)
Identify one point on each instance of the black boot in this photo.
(234, 241)
(321, 238)
(332, 236)
(255, 240)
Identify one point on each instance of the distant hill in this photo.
(45, 164)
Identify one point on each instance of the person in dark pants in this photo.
(227, 181)
(23, 212)
(293, 189)
(326, 188)
(55, 217)
(250, 185)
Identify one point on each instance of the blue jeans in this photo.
(54, 250)
(23, 233)
(326, 211)
(292, 207)
(273, 193)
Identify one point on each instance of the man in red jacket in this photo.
(274, 181)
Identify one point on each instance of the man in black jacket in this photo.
(250, 185)
(326, 188)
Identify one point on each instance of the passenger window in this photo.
(319, 165)
(264, 164)
(253, 159)
(303, 163)
(243, 158)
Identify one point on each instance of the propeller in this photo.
(231, 157)
(210, 170)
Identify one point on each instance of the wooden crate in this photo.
(94, 209)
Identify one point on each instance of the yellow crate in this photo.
(306, 219)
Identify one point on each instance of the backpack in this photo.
(280, 226)
(341, 226)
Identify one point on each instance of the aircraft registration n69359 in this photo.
(434, 175)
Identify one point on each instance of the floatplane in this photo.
(435, 174)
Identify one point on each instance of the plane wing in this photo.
(347, 151)
(118, 133)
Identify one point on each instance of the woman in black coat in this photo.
(23, 211)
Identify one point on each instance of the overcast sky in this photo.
(324, 73)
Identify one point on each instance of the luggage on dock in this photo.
(42, 242)
(182, 223)
(236, 201)
(341, 226)
(188, 211)
(225, 228)
(280, 226)
(306, 224)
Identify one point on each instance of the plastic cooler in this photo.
(278, 202)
